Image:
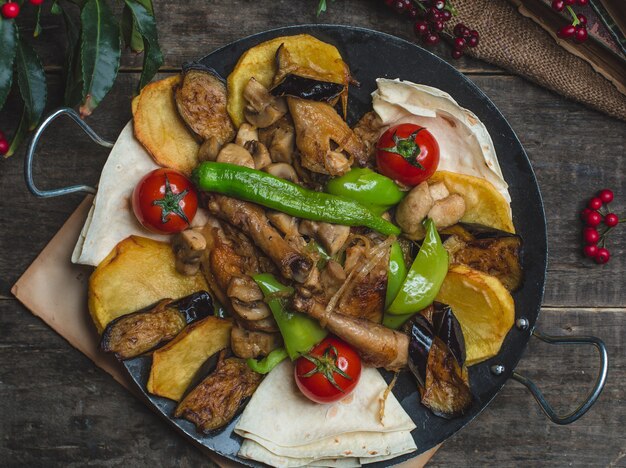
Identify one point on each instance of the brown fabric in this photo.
(519, 45)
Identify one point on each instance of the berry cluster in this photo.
(4, 144)
(429, 18)
(10, 10)
(598, 212)
(577, 29)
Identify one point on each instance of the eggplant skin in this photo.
(201, 102)
(215, 401)
(308, 88)
(491, 251)
(137, 333)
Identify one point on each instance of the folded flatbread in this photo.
(293, 431)
(111, 218)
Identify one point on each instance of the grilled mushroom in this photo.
(246, 133)
(260, 154)
(282, 170)
(235, 154)
(262, 109)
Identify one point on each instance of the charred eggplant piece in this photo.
(216, 400)
(436, 359)
(304, 82)
(491, 251)
(130, 335)
(201, 102)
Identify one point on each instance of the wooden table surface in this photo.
(58, 409)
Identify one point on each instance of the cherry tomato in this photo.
(407, 153)
(329, 372)
(165, 201)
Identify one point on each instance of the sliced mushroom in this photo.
(330, 236)
(247, 299)
(235, 154)
(262, 109)
(448, 211)
(209, 149)
(260, 154)
(286, 224)
(438, 191)
(251, 344)
(246, 133)
(413, 209)
(282, 170)
(189, 247)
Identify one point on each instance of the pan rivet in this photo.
(522, 323)
(497, 369)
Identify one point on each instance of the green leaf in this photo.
(321, 7)
(8, 39)
(100, 53)
(32, 82)
(73, 69)
(132, 36)
(20, 134)
(146, 25)
(37, 31)
(55, 8)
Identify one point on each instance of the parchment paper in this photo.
(55, 290)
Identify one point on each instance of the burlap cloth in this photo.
(521, 46)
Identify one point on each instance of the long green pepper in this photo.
(281, 195)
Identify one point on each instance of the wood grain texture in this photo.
(57, 409)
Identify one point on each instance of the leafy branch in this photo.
(94, 45)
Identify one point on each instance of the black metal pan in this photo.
(371, 55)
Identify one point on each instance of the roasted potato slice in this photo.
(175, 364)
(483, 203)
(260, 62)
(160, 129)
(138, 272)
(483, 307)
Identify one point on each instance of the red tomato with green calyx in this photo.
(165, 201)
(329, 372)
(407, 153)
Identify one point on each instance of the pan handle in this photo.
(30, 154)
(593, 395)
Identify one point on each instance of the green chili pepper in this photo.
(281, 195)
(396, 273)
(300, 332)
(367, 187)
(423, 280)
(265, 365)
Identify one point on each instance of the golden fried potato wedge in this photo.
(260, 62)
(175, 364)
(138, 273)
(159, 128)
(484, 308)
(483, 203)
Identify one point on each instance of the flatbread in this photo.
(111, 218)
(464, 142)
(347, 430)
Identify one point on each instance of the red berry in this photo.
(570, 2)
(566, 31)
(606, 196)
(583, 2)
(399, 6)
(413, 12)
(431, 38)
(582, 19)
(611, 220)
(434, 14)
(457, 54)
(593, 219)
(590, 250)
(581, 34)
(602, 256)
(438, 26)
(584, 213)
(4, 147)
(446, 15)
(420, 28)
(439, 4)
(472, 41)
(558, 5)
(35, 2)
(458, 29)
(10, 10)
(595, 203)
(591, 235)
(459, 43)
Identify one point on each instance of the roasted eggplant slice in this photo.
(491, 251)
(305, 82)
(142, 331)
(215, 401)
(201, 102)
(436, 355)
